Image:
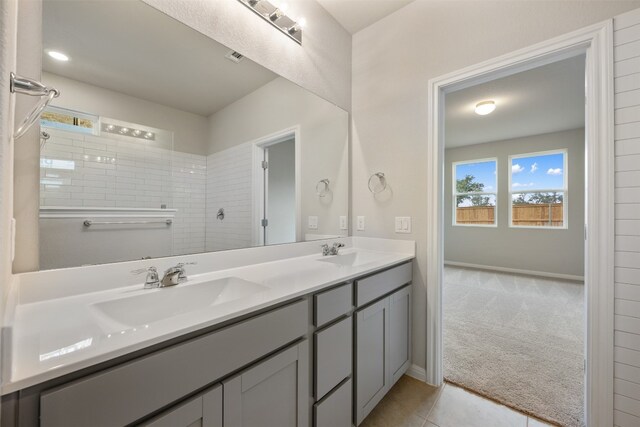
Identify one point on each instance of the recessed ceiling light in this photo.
(58, 56)
(485, 107)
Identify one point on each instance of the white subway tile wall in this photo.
(627, 240)
(229, 184)
(106, 171)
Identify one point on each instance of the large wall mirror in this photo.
(164, 142)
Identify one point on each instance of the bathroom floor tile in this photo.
(406, 405)
(459, 408)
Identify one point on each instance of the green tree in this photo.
(538, 198)
(469, 185)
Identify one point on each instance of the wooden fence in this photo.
(549, 215)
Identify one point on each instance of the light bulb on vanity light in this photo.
(300, 24)
(124, 130)
(148, 135)
(109, 127)
(136, 132)
(485, 107)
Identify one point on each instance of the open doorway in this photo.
(513, 288)
(276, 201)
(596, 42)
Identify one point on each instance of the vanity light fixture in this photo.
(123, 130)
(274, 13)
(485, 107)
(58, 56)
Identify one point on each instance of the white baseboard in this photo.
(417, 372)
(516, 271)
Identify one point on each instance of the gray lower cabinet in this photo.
(382, 349)
(202, 411)
(372, 351)
(273, 393)
(335, 409)
(400, 332)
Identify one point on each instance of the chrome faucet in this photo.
(152, 280)
(175, 275)
(172, 276)
(333, 250)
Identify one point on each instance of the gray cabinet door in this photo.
(334, 357)
(373, 376)
(202, 411)
(273, 393)
(400, 332)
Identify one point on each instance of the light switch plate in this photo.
(360, 223)
(343, 222)
(313, 223)
(403, 224)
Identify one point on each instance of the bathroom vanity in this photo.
(320, 350)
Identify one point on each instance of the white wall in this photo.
(393, 61)
(190, 131)
(559, 251)
(627, 197)
(280, 105)
(322, 64)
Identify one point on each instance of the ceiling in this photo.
(542, 100)
(132, 48)
(354, 15)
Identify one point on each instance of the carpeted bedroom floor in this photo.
(517, 340)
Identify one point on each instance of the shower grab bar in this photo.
(89, 223)
(26, 86)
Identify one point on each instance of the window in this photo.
(74, 121)
(538, 190)
(475, 192)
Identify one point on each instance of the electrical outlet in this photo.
(313, 223)
(403, 224)
(343, 222)
(360, 223)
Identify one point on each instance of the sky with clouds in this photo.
(539, 172)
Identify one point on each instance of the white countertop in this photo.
(54, 337)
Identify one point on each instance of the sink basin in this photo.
(164, 303)
(353, 259)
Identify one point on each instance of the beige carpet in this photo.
(517, 340)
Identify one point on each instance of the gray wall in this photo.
(559, 251)
(393, 61)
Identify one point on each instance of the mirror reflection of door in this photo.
(279, 193)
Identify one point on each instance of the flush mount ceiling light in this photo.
(274, 12)
(58, 56)
(485, 107)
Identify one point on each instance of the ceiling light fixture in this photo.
(58, 56)
(485, 107)
(275, 13)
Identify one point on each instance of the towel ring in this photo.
(377, 183)
(322, 187)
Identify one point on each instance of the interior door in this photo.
(279, 219)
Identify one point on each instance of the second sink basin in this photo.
(353, 259)
(163, 303)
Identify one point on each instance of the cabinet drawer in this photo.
(373, 287)
(336, 409)
(331, 304)
(143, 386)
(334, 349)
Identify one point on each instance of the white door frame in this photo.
(597, 42)
(258, 146)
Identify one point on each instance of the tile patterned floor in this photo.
(412, 403)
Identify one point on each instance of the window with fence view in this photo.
(475, 192)
(538, 190)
